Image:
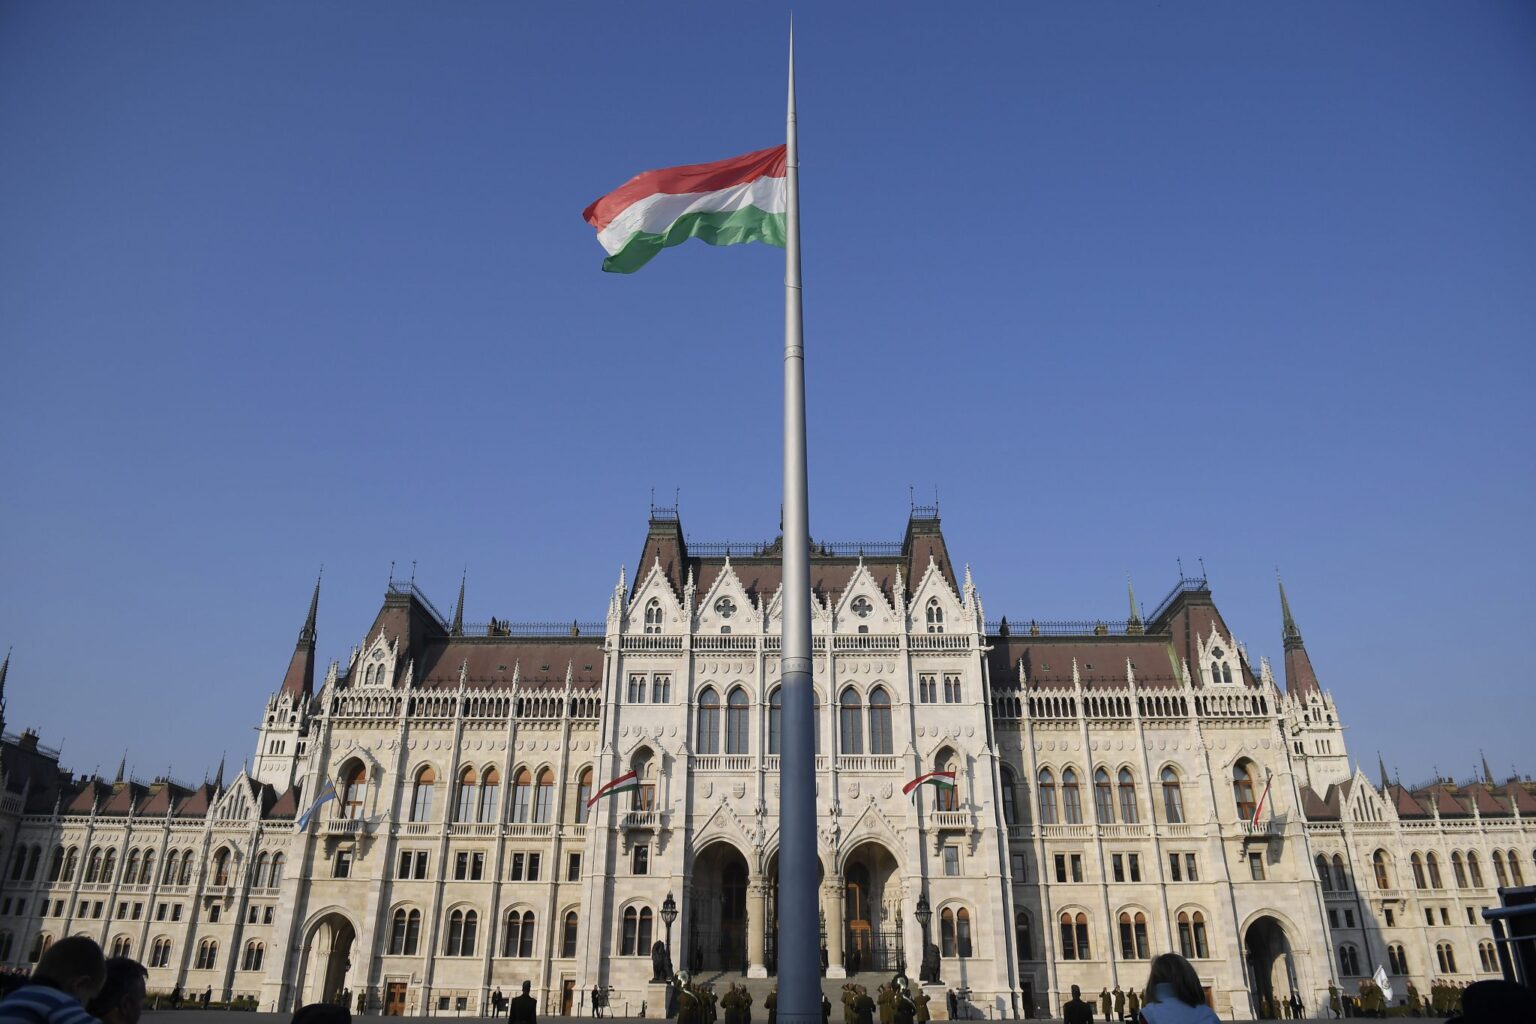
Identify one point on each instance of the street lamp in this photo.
(929, 973)
(668, 915)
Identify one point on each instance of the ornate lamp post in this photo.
(668, 915)
(929, 974)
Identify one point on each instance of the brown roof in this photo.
(1100, 660)
(1189, 614)
(491, 661)
(1445, 800)
(86, 799)
(1525, 800)
(197, 802)
(1405, 802)
(1318, 808)
(124, 796)
(286, 806)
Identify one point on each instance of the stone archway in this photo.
(771, 906)
(326, 961)
(1271, 967)
(718, 918)
(871, 917)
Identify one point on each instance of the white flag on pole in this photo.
(1382, 982)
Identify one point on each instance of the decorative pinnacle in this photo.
(1130, 592)
(308, 632)
(1382, 767)
(1487, 771)
(1291, 634)
(458, 612)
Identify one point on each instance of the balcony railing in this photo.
(641, 819)
(868, 762)
(529, 828)
(866, 642)
(949, 819)
(1123, 831)
(416, 828)
(346, 826)
(940, 642)
(474, 828)
(1067, 831)
(722, 762)
(652, 642)
(711, 642)
(1263, 830)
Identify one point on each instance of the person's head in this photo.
(526, 986)
(1174, 971)
(121, 999)
(322, 1013)
(73, 965)
(1077, 993)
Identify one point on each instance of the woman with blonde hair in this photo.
(1174, 995)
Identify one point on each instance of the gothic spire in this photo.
(122, 768)
(1133, 624)
(5, 667)
(300, 678)
(1382, 767)
(1487, 771)
(458, 611)
(1300, 680)
(218, 778)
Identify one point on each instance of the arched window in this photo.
(1434, 870)
(1498, 869)
(1242, 789)
(1173, 797)
(1071, 798)
(1103, 798)
(517, 934)
(1074, 937)
(1397, 958)
(1047, 797)
(421, 794)
(159, 953)
(1445, 955)
(1010, 810)
(850, 731)
(946, 798)
(583, 794)
(109, 866)
(207, 955)
(522, 795)
(259, 872)
(568, 935)
(653, 616)
(121, 946)
(490, 795)
(469, 794)
(18, 862)
(71, 863)
(404, 932)
(459, 940)
(56, 866)
(251, 961)
(935, 616)
(1023, 937)
(1192, 939)
(1127, 788)
(963, 933)
(1349, 961)
(169, 877)
(7, 940)
(736, 719)
(1459, 870)
(947, 932)
(186, 868)
(1133, 936)
(880, 722)
(1487, 957)
(221, 867)
(628, 933)
(1323, 874)
(1340, 876)
(1514, 869)
(1418, 871)
(1474, 870)
(93, 866)
(775, 720)
(544, 796)
(277, 870)
(131, 868)
(1379, 864)
(147, 870)
(354, 791)
(709, 721)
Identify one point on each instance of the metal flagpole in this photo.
(799, 946)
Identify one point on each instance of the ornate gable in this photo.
(935, 603)
(862, 606)
(726, 606)
(656, 607)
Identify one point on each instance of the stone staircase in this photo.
(760, 987)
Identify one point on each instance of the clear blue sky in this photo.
(285, 284)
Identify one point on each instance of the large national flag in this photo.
(626, 783)
(1383, 983)
(727, 202)
(1258, 808)
(327, 792)
(938, 780)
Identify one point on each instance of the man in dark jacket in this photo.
(70, 974)
(1075, 1011)
(524, 1008)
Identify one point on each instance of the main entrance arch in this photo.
(1271, 968)
(327, 960)
(717, 927)
(872, 910)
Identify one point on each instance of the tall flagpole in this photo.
(799, 946)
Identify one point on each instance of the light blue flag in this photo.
(327, 792)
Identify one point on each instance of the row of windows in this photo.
(1190, 926)
(477, 794)
(1468, 870)
(933, 614)
(138, 868)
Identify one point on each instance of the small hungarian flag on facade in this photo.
(938, 780)
(727, 202)
(1258, 808)
(626, 783)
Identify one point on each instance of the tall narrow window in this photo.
(469, 795)
(643, 940)
(935, 616)
(544, 797)
(1459, 870)
(568, 935)
(1514, 869)
(1242, 789)
(775, 719)
(1173, 797)
(850, 734)
(708, 739)
(1023, 937)
(946, 798)
(583, 794)
(221, 868)
(1127, 790)
(1010, 811)
(661, 689)
(1498, 870)
(421, 794)
(947, 932)
(277, 870)
(1417, 861)
(490, 795)
(522, 795)
(1323, 874)
(1071, 798)
(354, 792)
(1103, 798)
(653, 616)
(880, 722)
(1474, 870)
(963, 933)
(1379, 865)
(1340, 876)
(737, 715)
(1433, 863)
(1047, 797)
(629, 934)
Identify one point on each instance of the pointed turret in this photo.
(300, 680)
(1381, 766)
(457, 629)
(1300, 680)
(218, 779)
(5, 667)
(1487, 771)
(122, 768)
(1133, 626)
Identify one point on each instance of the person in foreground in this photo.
(69, 974)
(121, 999)
(1075, 1011)
(524, 1008)
(1174, 995)
(1485, 1002)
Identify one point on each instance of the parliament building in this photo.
(1122, 788)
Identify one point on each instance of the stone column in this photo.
(832, 906)
(757, 927)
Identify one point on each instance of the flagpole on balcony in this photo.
(799, 945)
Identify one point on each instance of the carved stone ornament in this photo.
(886, 791)
(708, 790)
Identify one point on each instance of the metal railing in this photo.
(1062, 627)
(1186, 585)
(572, 627)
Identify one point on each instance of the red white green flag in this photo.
(626, 783)
(938, 780)
(727, 202)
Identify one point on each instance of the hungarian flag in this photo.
(938, 780)
(1258, 808)
(727, 202)
(626, 783)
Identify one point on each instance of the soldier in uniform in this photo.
(887, 1005)
(1104, 1003)
(1413, 999)
(847, 1003)
(1133, 1004)
(1119, 1004)
(771, 1003)
(863, 1007)
(1333, 999)
(731, 1004)
(903, 1005)
(920, 1004)
(687, 1000)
